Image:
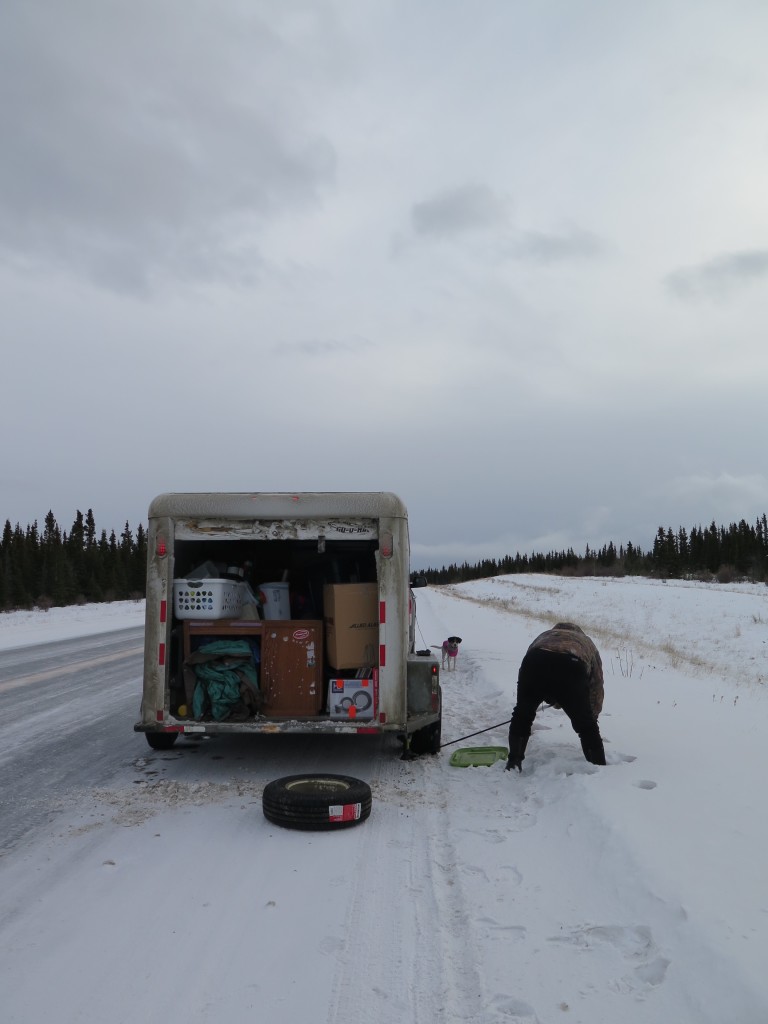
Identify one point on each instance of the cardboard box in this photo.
(351, 614)
(353, 699)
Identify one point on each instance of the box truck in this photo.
(284, 613)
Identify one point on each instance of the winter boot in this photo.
(517, 745)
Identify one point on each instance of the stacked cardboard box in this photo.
(351, 613)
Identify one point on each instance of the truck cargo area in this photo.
(290, 654)
(283, 613)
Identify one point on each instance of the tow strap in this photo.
(469, 737)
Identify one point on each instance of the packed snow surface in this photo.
(570, 894)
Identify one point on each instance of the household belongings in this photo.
(223, 679)
(291, 669)
(275, 599)
(351, 613)
(207, 599)
(251, 608)
(351, 698)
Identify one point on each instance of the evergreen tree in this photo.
(137, 583)
(92, 588)
(75, 549)
(5, 566)
(22, 568)
(90, 531)
(683, 549)
(125, 561)
(712, 548)
(696, 556)
(50, 580)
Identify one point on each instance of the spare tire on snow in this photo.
(316, 802)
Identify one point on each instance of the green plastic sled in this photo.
(478, 757)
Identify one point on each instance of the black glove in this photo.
(517, 745)
(592, 745)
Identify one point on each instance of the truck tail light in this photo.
(160, 546)
(386, 545)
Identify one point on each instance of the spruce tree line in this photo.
(739, 551)
(59, 568)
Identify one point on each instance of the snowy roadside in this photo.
(630, 858)
(20, 629)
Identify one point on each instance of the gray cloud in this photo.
(137, 147)
(467, 208)
(718, 277)
(473, 208)
(324, 347)
(573, 244)
(726, 491)
(159, 142)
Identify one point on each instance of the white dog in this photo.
(449, 649)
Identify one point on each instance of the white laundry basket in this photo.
(207, 599)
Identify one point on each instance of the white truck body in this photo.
(312, 539)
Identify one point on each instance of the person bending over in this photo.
(562, 667)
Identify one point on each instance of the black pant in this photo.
(553, 678)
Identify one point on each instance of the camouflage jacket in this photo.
(568, 638)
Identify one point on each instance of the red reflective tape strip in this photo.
(360, 731)
(161, 654)
(382, 633)
(163, 610)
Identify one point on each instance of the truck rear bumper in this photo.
(268, 726)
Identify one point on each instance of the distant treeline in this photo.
(739, 551)
(59, 568)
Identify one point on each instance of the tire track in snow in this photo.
(411, 949)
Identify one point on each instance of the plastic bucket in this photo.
(275, 600)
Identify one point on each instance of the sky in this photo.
(507, 260)
(632, 892)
